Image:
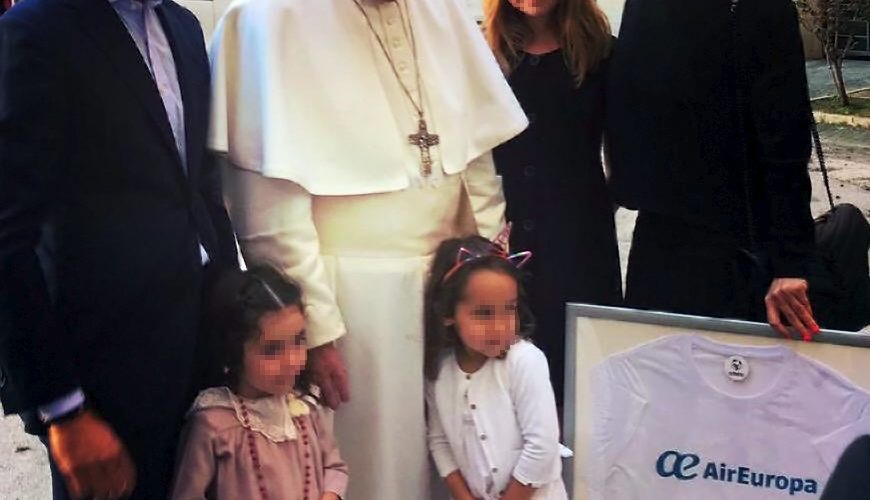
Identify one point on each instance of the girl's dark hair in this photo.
(237, 304)
(442, 296)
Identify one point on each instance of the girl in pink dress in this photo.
(262, 435)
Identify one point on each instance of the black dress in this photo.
(557, 198)
(676, 138)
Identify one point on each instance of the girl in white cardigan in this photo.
(492, 424)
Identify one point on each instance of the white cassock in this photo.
(326, 186)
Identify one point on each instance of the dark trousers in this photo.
(677, 267)
(58, 486)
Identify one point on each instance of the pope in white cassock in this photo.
(359, 136)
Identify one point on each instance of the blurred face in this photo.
(534, 8)
(273, 361)
(486, 317)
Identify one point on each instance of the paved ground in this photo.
(856, 73)
(23, 462)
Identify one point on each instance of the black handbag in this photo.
(837, 270)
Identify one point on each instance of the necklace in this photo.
(422, 138)
(255, 457)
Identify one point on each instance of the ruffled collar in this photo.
(270, 416)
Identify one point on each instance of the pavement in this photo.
(856, 74)
(23, 461)
(23, 464)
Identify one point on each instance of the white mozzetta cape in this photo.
(297, 94)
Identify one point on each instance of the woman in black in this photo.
(554, 52)
(708, 131)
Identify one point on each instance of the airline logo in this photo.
(681, 466)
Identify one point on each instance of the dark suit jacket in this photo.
(850, 479)
(672, 123)
(100, 270)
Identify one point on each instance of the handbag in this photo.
(838, 273)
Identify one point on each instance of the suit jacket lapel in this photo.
(102, 23)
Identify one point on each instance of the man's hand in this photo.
(330, 496)
(788, 297)
(91, 458)
(329, 373)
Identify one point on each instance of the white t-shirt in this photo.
(684, 417)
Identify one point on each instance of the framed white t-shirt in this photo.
(687, 418)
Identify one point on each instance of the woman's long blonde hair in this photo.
(580, 27)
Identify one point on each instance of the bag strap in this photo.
(817, 143)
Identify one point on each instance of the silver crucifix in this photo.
(424, 140)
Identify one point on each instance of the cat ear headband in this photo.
(497, 248)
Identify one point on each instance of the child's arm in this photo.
(195, 470)
(535, 407)
(335, 472)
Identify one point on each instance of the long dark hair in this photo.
(442, 296)
(580, 26)
(237, 304)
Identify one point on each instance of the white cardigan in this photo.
(514, 413)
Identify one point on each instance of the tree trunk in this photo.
(835, 65)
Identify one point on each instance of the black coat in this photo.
(557, 197)
(100, 269)
(672, 126)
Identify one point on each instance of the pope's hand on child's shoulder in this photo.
(330, 374)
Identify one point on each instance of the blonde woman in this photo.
(554, 53)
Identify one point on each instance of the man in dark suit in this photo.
(110, 217)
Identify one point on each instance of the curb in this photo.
(834, 119)
(853, 91)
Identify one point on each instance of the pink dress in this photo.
(297, 454)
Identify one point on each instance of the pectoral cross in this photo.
(424, 140)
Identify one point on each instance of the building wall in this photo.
(812, 45)
(209, 11)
